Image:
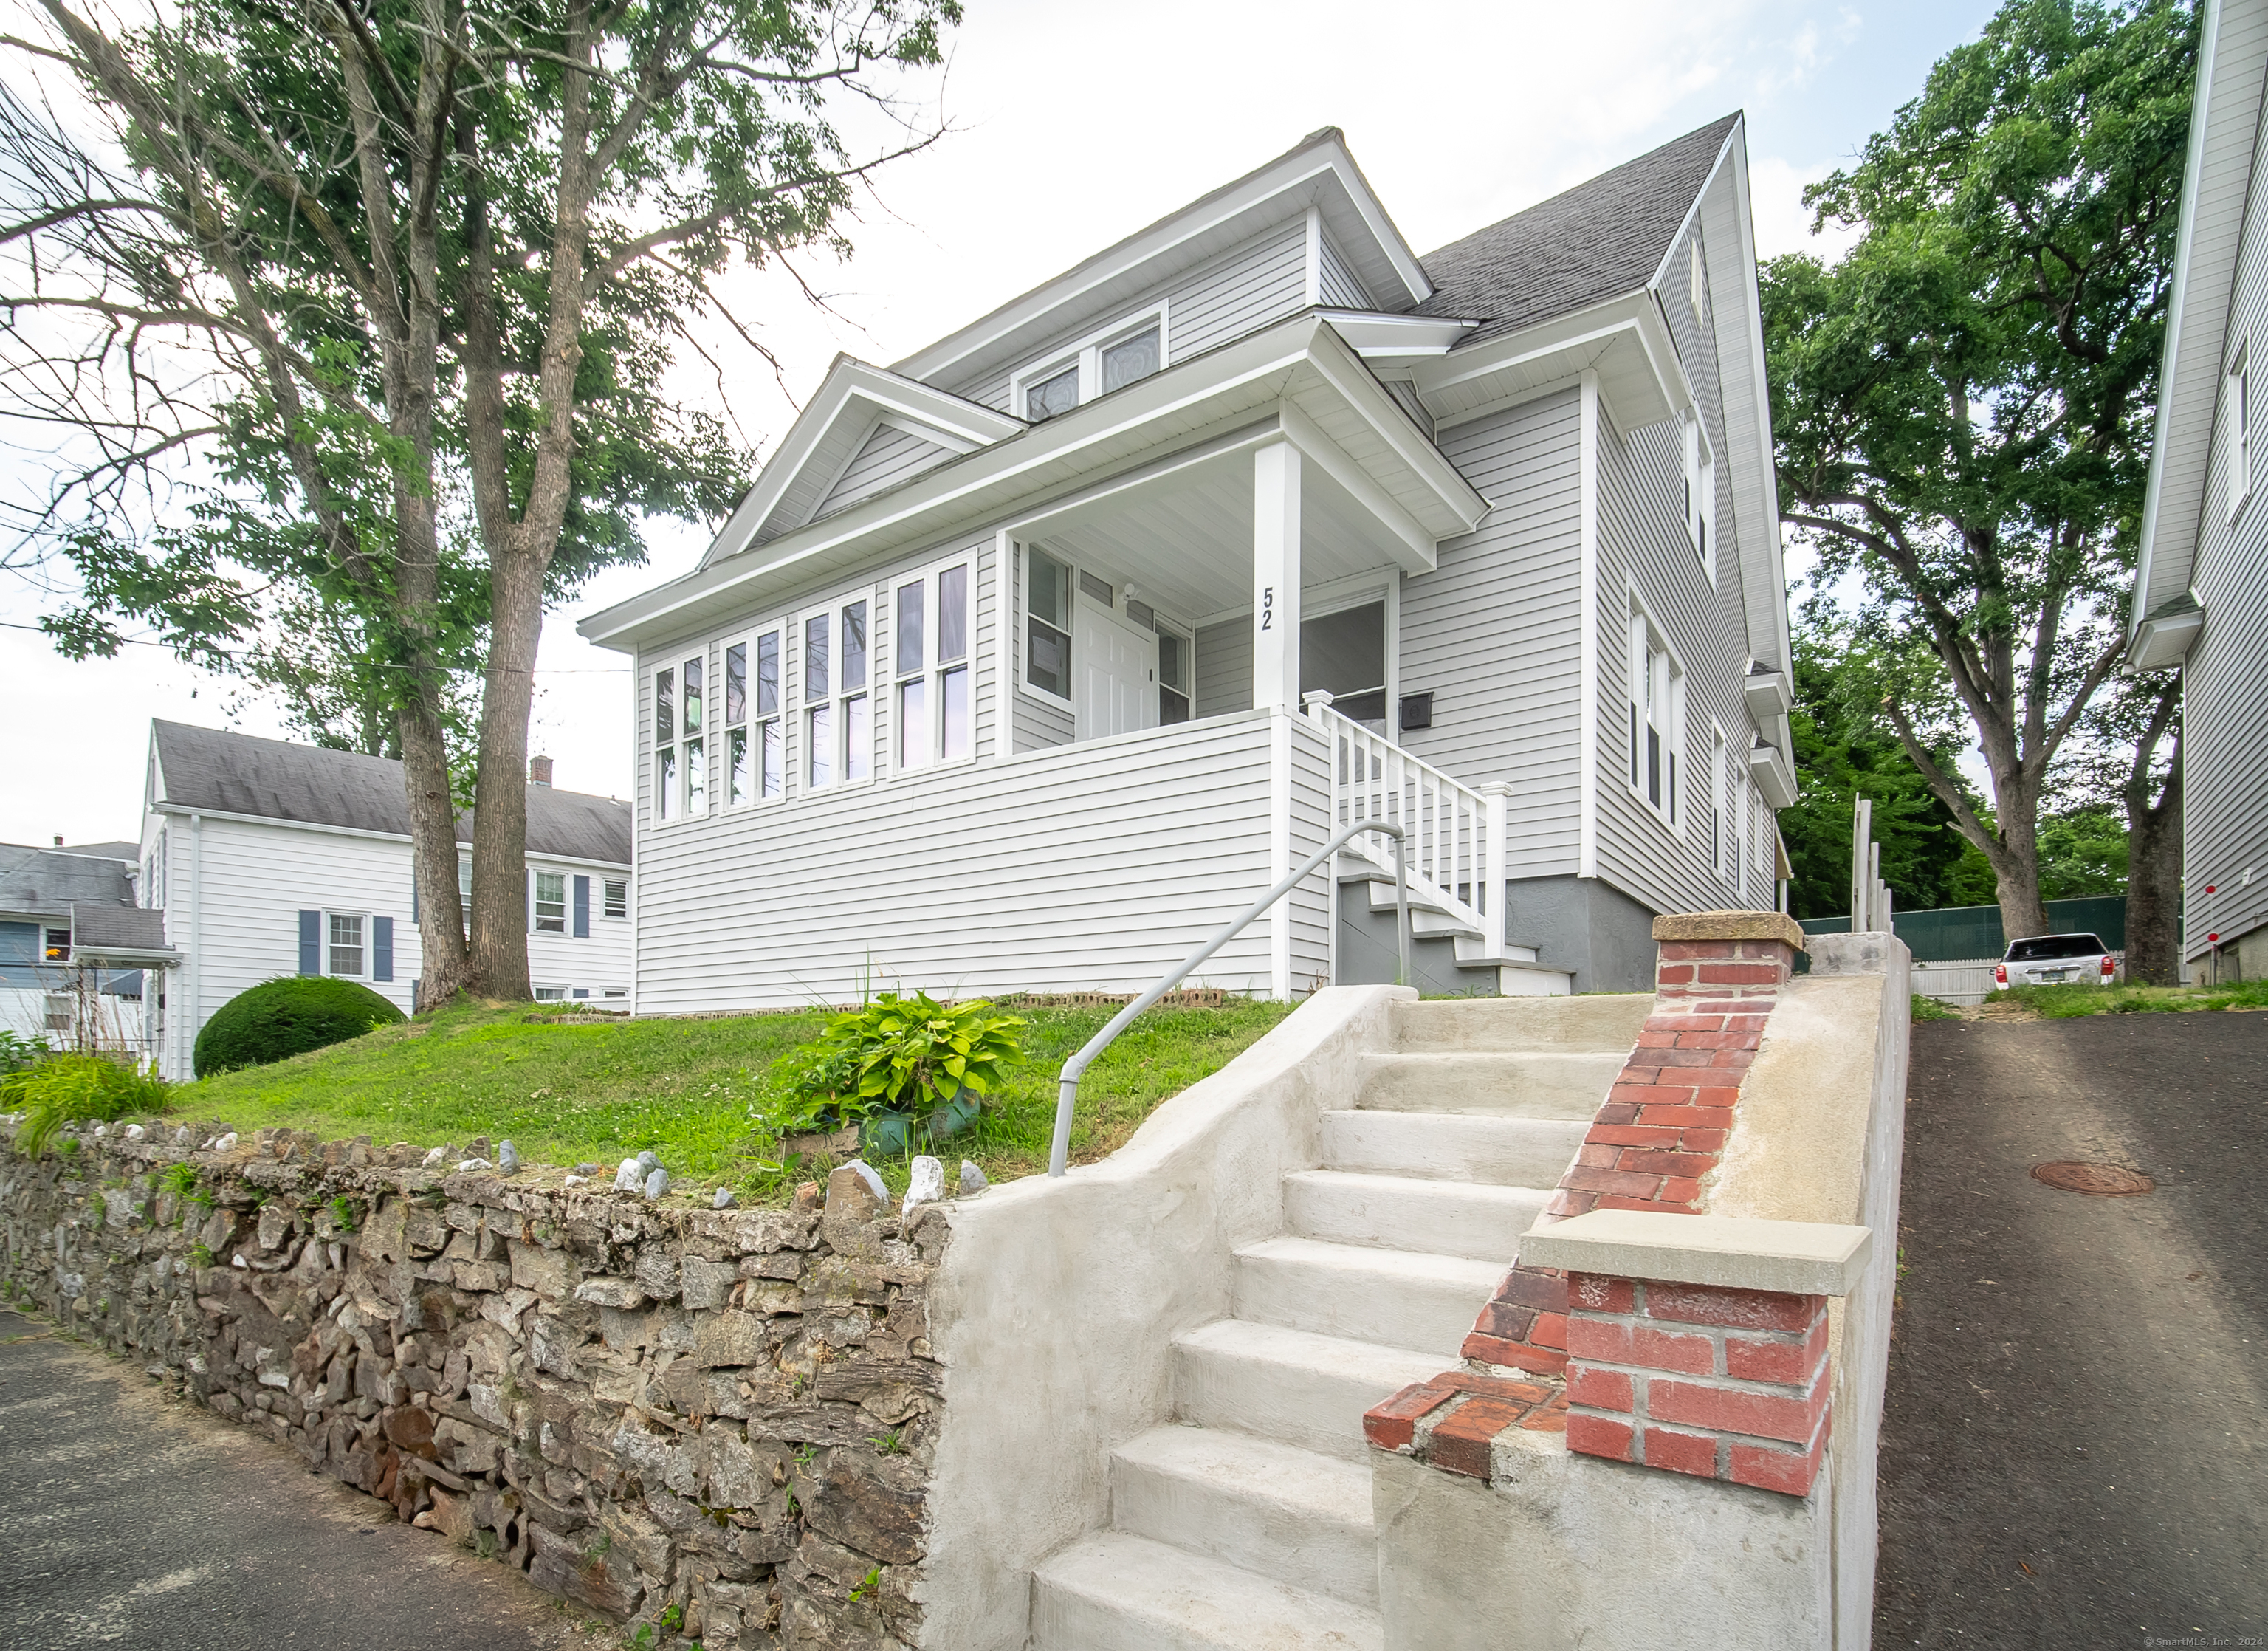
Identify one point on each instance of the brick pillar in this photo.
(1721, 1383)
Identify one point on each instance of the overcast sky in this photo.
(1076, 125)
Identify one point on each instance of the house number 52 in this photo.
(1268, 607)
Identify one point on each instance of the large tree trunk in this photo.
(433, 853)
(500, 894)
(2154, 860)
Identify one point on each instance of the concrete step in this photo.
(1115, 1592)
(1503, 1150)
(1286, 1512)
(1391, 1297)
(1545, 1085)
(1595, 1022)
(1442, 1218)
(1532, 980)
(1290, 1385)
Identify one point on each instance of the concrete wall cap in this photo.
(1729, 926)
(1795, 1257)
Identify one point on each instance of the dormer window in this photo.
(1108, 360)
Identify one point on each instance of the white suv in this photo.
(2057, 960)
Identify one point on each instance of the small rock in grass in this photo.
(240, 1261)
(723, 1200)
(135, 1132)
(657, 1183)
(471, 1163)
(806, 1199)
(590, 1169)
(508, 1158)
(630, 1175)
(182, 1136)
(647, 1161)
(226, 1143)
(438, 1156)
(927, 1184)
(972, 1179)
(871, 1176)
(101, 1129)
(573, 1181)
(479, 1148)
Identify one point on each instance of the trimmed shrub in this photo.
(279, 1019)
(76, 1088)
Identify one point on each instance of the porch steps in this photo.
(1245, 1521)
(1517, 972)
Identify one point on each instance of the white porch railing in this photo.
(1455, 832)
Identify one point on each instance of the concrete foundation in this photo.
(1587, 925)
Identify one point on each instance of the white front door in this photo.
(1116, 665)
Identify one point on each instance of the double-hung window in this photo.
(929, 665)
(681, 762)
(1657, 717)
(754, 739)
(551, 903)
(1131, 349)
(2237, 428)
(1700, 493)
(1047, 621)
(838, 711)
(1173, 676)
(345, 943)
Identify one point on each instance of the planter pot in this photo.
(896, 1134)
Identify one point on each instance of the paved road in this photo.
(134, 1522)
(2075, 1453)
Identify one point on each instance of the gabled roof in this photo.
(2224, 127)
(48, 882)
(1317, 172)
(828, 433)
(1604, 237)
(220, 771)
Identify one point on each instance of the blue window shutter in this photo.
(311, 942)
(582, 908)
(381, 948)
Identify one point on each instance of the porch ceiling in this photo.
(1184, 541)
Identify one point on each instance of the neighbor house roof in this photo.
(215, 771)
(1604, 237)
(48, 882)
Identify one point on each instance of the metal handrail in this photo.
(1067, 1087)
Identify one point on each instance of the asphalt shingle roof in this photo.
(1603, 237)
(48, 882)
(275, 779)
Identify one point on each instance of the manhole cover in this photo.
(2102, 1181)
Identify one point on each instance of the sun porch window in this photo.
(929, 665)
(838, 707)
(680, 761)
(754, 737)
(1047, 623)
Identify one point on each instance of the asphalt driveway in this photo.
(2075, 1452)
(133, 1520)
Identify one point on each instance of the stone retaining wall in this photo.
(720, 1423)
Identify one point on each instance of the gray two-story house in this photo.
(1028, 661)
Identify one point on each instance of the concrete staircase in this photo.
(1246, 1522)
(1449, 953)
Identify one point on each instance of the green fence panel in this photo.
(1951, 933)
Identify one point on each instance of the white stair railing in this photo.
(1455, 832)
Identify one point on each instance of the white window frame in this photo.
(1655, 690)
(839, 697)
(1086, 355)
(1024, 554)
(1719, 810)
(683, 798)
(607, 899)
(549, 994)
(332, 915)
(754, 721)
(535, 902)
(933, 670)
(1700, 492)
(2236, 426)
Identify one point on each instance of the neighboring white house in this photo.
(1027, 661)
(2201, 582)
(74, 946)
(272, 859)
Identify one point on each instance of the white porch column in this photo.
(1276, 668)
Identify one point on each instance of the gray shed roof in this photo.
(274, 779)
(48, 882)
(1601, 238)
(126, 928)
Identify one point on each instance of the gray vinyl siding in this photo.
(890, 456)
(1223, 667)
(1643, 543)
(2225, 679)
(1494, 631)
(1340, 286)
(1090, 868)
(1242, 290)
(1695, 338)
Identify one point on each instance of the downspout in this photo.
(1586, 852)
(194, 1020)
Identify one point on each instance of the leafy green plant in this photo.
(16, 1053)
(889, 1444)
(672, 1617)
(866, 1583)
(279, 1019)
(899, 1054)
(200, 1256)
(76, 1088)
(1931, 1009)
(344, 1216)
(181, 1178)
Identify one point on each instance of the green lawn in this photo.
(2062, 1003)
(693, 1090)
